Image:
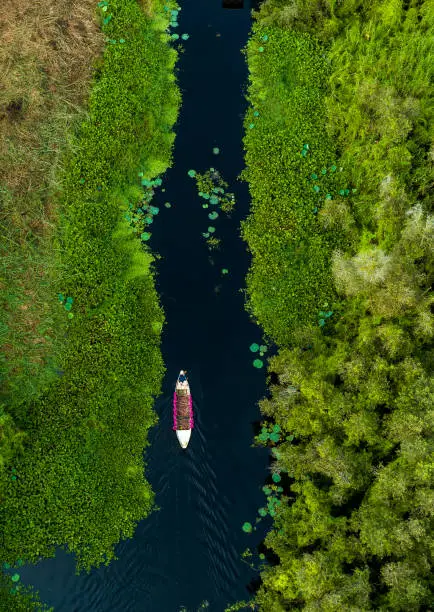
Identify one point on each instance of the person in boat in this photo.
(182, 377)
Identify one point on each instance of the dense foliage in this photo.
(72, 470)
(352, 393)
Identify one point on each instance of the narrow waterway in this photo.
(189, 551)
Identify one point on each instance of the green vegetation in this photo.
(71, 448)
(352, 391)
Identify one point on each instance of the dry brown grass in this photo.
(47, 49)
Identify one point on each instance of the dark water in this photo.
(189, 551)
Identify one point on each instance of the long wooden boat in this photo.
(183, 421)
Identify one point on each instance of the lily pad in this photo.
(214, 199)
(263, 348)
(174, 36)
(258, 363)
(254, 347)
(205, 205)
(213, 215)
(205, 234)
(185, 36)
(216, 150)
(225, 271)
(247, 527)
(276, 477)
(263, 511)
(251, 126)
(155, 210)
(261, 49)
(191, 173)
(15, 577)
(256, 114)
(314, 176)
(145, 236)
(167, 204)
(211, 229)
(324, 171)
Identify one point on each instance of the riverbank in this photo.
(339, 160)
(72, 447)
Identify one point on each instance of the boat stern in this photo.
(183, 436)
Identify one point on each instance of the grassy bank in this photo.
(72, 447)
(350, 414)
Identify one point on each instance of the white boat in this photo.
(182, 410)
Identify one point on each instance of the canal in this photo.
(188, 552)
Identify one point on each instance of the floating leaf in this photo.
(333, 168)
(306, 146)
(145, 236)
(205, 234)
(175, 37)
(256, 114)
(262, 511)
(225, 271)
(263, 437)
(276, 428)
(276, 477)
(167, 204)
(304, 153)
(314, 176)
(191, 173)
(68, 306)
(13, 477)
(205, 206)
(321, 322)
(263, 348)
(275, 437)
(254, 347)
(213, 215)
(267, 490)
(258, 363)
(261, 556)
(341, 192)
(214, 199)
(82, 180)
(185, 36)
(206, 196)
(290, 438)
(328, 196)
(121, 40)
(247, 527)
(149, 219)
(6, 565)
(174, 24)
(211, 229)
(216, 150)
(70, 315)
(61, 297)
(107, 19)
(15, 577)
(155, 210)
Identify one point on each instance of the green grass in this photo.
(80, 475)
